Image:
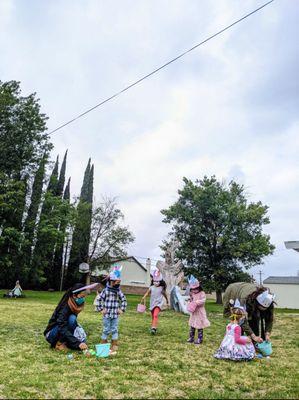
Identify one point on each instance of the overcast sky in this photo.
(229, 108)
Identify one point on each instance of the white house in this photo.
(286, 289)
(135, 276)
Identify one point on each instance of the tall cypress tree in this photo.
(86, 183)
(59, 250)
(67, 191)
(61, 180)
(35, 200)
(53, 181)
(31, 219)
(90, 185)
(42, 261)
(81, 235)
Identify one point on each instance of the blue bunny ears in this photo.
(193, 282)
(115, 274)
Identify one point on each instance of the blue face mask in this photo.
(79, 301)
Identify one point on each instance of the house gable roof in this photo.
(287, 280)
(114, 260)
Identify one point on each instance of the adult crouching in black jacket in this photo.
(61, 326)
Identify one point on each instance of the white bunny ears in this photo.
(236, 304)
(265, 299)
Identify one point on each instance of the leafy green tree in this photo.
(12, 193)
(219, 232)
(23, 141)
(23, 137)
(109, 237)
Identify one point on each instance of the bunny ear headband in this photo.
(92, 286)
(236, 304)
(156, 274)
(115, 274)
(193, 282)
(265, 299)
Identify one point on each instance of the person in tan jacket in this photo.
(259, 305)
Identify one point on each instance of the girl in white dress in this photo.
(17, 290)
(234, 346)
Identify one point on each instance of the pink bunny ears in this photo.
(92, 286)
(156, 274)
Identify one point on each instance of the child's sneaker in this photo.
(153, 331)
(198, 341)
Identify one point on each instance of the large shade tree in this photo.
(23, 143)
(109, 236)
(219, 232)
(23, 136)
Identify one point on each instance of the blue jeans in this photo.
(52, 336)
(110, 325)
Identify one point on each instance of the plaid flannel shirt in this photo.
(109, 301)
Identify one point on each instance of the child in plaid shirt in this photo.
(108, 305)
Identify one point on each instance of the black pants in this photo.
(258, 327)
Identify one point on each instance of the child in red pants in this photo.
(157, 292)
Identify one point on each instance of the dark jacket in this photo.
(242, 292)
(60, 318)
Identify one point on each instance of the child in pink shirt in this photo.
(234, 346)
(196, 306)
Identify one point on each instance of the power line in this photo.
(159, 68)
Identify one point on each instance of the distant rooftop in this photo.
(287, 280)
(292, 244)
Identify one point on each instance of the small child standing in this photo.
(108, 305)
(157, 290)
(196, 306)
(17, 290)
(234, 346)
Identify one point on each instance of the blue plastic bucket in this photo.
(103, 350)
(265, 348)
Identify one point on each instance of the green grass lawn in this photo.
(163, 366)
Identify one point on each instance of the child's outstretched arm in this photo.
(146, 294)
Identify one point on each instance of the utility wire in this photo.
(159, 68)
